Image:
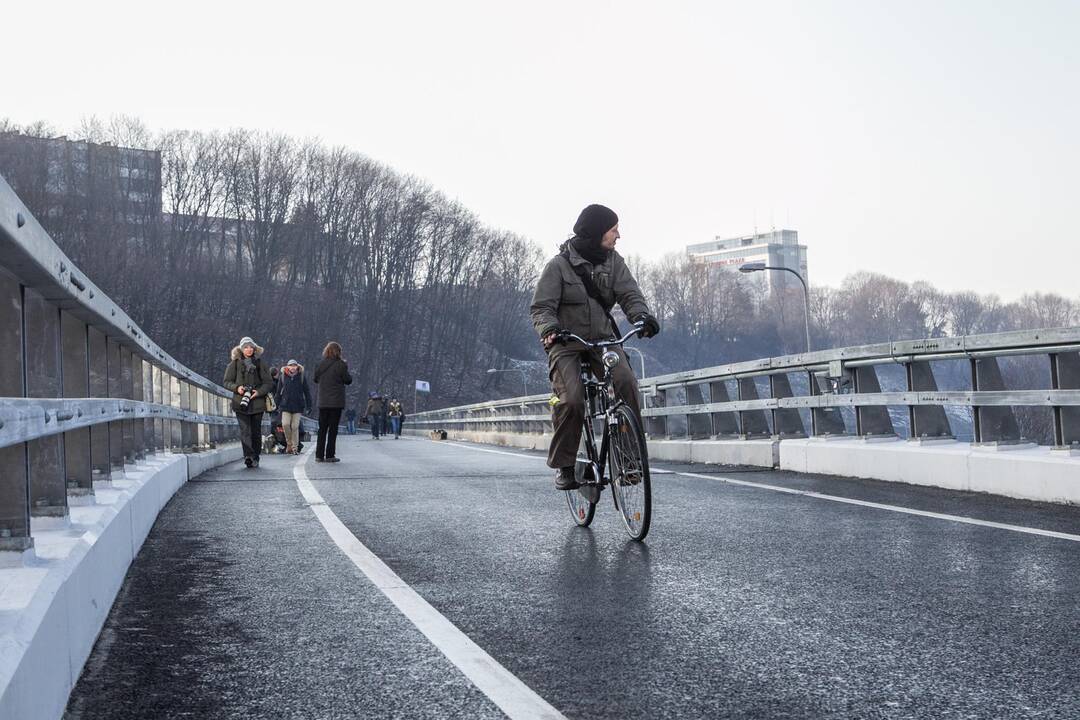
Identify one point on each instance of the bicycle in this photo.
(622, 446)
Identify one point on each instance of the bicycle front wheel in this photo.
(628, 467)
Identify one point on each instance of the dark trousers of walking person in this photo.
(250, 433)
(326, 446)
(376, 425)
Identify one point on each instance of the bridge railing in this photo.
(839, 393)
(83, 390)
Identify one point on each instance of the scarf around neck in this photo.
(590, 249)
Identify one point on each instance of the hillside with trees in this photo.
(296, 243)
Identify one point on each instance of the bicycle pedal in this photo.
(590, 493)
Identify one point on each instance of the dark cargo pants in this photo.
(568, 416)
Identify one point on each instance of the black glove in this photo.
(651, 326)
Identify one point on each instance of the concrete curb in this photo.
(54, 604)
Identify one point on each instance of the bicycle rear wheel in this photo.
(581, 509)
(628, 466)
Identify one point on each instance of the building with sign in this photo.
(779, 248)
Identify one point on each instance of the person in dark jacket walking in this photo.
(248, 377)
(576, 292)
(331, 376)
(376, 408)
(350, 420)
(294, 399)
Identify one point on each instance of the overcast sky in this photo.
(926, 140)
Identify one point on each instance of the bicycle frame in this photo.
(600, 403)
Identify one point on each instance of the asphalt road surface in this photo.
(744, 601)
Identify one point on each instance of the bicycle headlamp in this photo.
(610, 358)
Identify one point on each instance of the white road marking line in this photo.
(891, 508)
(836, 498)
(502, 687)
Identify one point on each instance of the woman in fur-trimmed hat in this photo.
(249, 378)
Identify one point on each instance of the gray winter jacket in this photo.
(561, 301)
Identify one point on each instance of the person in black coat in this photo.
(331, 376)
(248, 376)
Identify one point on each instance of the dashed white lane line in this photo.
(502, 687)
(832, 498)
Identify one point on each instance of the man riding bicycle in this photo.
(575, 293)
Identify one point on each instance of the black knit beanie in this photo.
(594, 221)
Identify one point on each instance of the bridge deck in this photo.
(745, 601)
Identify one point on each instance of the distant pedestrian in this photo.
(249, 379)
(397, 416)
(294, 399)
(376, 408)
(332, 376)
(350, 420)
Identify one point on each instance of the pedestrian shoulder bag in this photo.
(592, 290)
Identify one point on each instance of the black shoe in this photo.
(255, 462)
(332, 459)
(247, 461)
(565, 479)
(319, 459)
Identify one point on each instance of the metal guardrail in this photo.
(83, 390)
(725, 402)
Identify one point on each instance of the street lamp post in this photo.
(524, 378)
(640, 357)
(760, 267)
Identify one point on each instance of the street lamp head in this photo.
(492, 370)
(752, 267)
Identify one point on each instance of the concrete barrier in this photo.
(54, 599)
(759, 453)
(1028, 472)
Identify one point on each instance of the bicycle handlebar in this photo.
(565, 335)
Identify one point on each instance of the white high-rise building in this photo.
(778, 248)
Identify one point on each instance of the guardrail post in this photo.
(186, 441)
(14, 485)
(871, 420)
(75, 366)
(1065, 375)
(176, 439)
(99, 387)
(754, 423)
(927, 421)
(138, 426)
(993, 423)
(787, 423)
(116, 390)
(698, 425)
(824, 421)
(657, 426)
(127, 390)
(48, 480)
(147, 395)
(724, 424)
(158, 389)
(202, 439)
